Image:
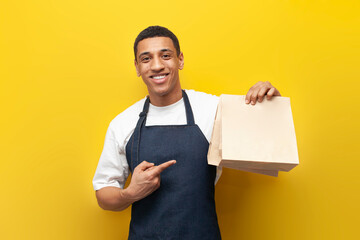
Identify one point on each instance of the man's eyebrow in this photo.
(143, 53)
(166, 49)
(162, 50)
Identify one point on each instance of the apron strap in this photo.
(189, 113)
(135, 144)
(136, 135)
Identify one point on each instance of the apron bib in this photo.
(183, 207)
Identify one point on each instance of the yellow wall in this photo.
(66, 70)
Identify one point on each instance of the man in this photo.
(163, 140)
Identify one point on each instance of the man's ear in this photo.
(137, 68)
(181, 61)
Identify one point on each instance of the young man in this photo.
(163, 140)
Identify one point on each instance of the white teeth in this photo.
(158, 77)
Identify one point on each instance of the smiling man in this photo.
(163, 141)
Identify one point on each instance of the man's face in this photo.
(158, 65)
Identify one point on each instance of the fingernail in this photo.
(247, 101)
(252, 102)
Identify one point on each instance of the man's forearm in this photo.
(113, 198)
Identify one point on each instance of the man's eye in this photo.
(166, 56)
(145, 59)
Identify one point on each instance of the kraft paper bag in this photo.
(256, 138)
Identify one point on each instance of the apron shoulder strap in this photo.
(136, 135)
(189, 113)
(142, 120)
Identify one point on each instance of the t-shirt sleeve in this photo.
(112, 169)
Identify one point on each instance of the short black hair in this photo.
(157, 31)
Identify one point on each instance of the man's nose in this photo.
(157, 64)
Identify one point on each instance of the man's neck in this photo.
(165, 100)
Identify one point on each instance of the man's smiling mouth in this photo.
(157, 77)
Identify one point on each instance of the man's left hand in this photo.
(259, 90)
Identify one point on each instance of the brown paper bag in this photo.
(259, 139)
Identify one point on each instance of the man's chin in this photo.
(160, 92)
(163, 92)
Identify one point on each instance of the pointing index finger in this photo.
(158, 169)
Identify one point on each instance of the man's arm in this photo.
(113, 198)
(144, 181)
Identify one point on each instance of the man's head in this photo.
(158, 60)
(156, 31)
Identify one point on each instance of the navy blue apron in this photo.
(183, 207)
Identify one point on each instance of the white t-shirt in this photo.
(113, 169)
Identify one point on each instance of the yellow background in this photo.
(66, 70)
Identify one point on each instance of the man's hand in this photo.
(259, 90)
(146, 179)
